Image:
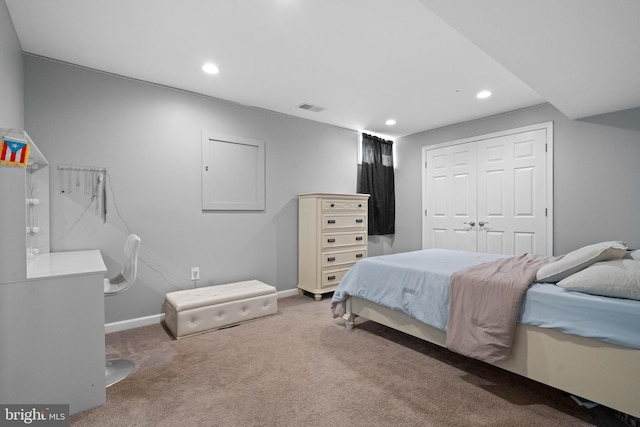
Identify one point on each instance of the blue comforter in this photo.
(417, 284)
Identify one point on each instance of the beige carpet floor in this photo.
(301, 367)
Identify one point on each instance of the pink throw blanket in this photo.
(484, 304)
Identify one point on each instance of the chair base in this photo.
(116, 370)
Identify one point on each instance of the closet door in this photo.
(450, 198)
(512, 193)
(490, 193)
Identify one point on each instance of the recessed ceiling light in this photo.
(210, 68)
(483, 94)
(390, 122)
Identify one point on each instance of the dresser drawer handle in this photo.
(358, 238)
(360, 205)
(359, 255)
(333, 205)
(331, 259)
(331, 221)
(331, 240)
(359, 221)
(331, 278)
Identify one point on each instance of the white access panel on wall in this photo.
(233, 173)
(491, 193)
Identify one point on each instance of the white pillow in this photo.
(618, 278)
(579, 259)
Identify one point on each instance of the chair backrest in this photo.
(127, 276)
(131, 252)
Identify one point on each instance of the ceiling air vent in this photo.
(310, 107)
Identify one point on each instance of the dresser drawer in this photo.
(339, 258)
(336, 240)
(342, 222)
(332, 278)
(329, 205)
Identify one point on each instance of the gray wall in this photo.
(149, 138)
(11, 73)
(596, 175)
(12, 237)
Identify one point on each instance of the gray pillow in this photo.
(579, 259)
(618, 278)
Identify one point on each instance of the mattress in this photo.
(417, 284)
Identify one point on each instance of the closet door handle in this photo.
(483, 223)
(473, 223)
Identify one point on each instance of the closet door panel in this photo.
(495, 241)
(524, 242)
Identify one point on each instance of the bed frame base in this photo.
(603, 373)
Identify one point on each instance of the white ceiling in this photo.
(420, 62)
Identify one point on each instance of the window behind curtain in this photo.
(377, 179)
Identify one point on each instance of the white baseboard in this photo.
(123, 325)
(133, 323)
(288, 293)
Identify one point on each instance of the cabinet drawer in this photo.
(336, 240)
(346, 257)
(333, 277)
(338, 222)
(343, 205)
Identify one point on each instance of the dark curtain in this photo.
(377, 179)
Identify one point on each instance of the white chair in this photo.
(118, 369)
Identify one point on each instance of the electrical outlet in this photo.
(195, 273)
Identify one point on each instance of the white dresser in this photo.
(332, 237)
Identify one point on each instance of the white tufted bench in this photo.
(199, 310)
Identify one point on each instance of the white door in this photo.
(512, 194)
(450, 198)
(490, 194)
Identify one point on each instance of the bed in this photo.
(584, 344)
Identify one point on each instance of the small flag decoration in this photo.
(14, 152)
